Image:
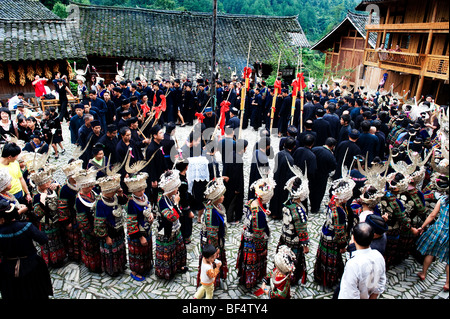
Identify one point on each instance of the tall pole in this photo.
(274, 99)
(212, 88)
(244, 90)
(302, 94)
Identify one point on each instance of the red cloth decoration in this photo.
(145, 109)
(157, 111)
(224, 107)
(154, 99)
(277, 85)
(301, 81)
(247, 72)
(163, 102)
(200, 117)
(295, 87)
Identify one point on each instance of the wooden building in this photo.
(33, 40)
(412, 47)
(343, 47)
(143, 41)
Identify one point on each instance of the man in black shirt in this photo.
(326, 163)
(304, 158)
(62, 90)
(109, 141)
(158, 165)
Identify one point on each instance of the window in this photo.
(404, 41)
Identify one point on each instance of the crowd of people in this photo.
(374, 165)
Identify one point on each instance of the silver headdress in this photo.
(120, 76)
(85, 178)
(136, 182)
(342, 188)
(72, 168)
(285, 260)
(170, 181)
(215, 189)
(43, 175)
(265, 186)
(302, 192)
(5, 178)
(109, 183)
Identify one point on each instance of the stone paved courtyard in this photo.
(74, 281)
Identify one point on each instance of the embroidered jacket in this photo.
(255, 225)
(294, 229)
(214, 227)
(109, 219)
(397, 218)
(85, 210)
(168, 216)
(66, 203)
(137, 221)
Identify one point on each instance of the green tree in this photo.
(60, 10)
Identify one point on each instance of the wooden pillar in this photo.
(420, 87)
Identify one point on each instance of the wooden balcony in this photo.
(435, 66)
(437, 27)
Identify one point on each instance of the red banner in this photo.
(200, 117)
(163, 102)
(247, 72)
(224, 107)
(277, 85)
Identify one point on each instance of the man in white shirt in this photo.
(365, 273)
(15, 100)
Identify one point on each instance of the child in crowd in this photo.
(209, 270)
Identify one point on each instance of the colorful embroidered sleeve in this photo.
(212, 230)
(38, 208)
(171, 214)
(63, 208)
(259, 226)
(81, 216)
(339, 222)
(132, 220)
(100, 228)
(399, 214)
(300, 225)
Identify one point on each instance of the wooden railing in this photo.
(437, 27)
(437, 66)
(400, 58)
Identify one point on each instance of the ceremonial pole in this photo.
(247, 73)
(301, 92)
(212, 88)
(294, 92)
(274, 99)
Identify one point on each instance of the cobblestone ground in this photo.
(74, 281)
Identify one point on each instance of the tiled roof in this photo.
(25, 10)
(184, 36)
(36, 33)
(358, 21)
(39, 40)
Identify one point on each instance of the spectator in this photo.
(365, 273)
(19, 187)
